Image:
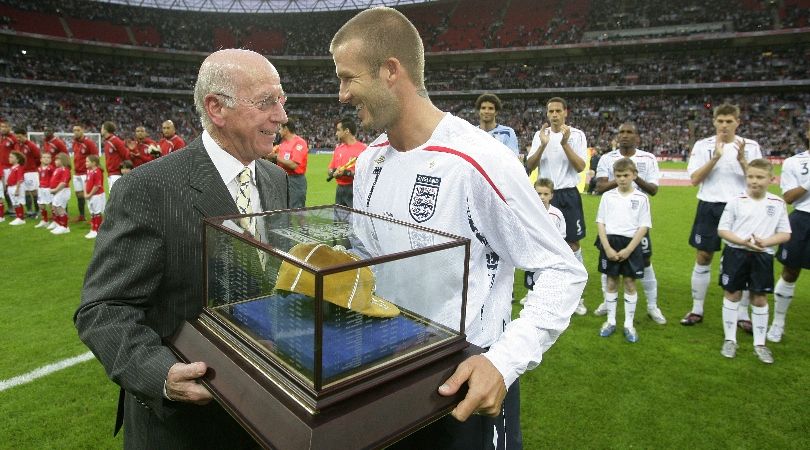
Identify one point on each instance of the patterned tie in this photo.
(244, 206)
(243, 202)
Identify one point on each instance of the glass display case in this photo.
(323, 305)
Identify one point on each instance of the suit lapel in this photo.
(269, 194)
(211, 196)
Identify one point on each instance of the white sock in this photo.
(610, 302)
(650, 286)
(745, 301)
(782, 296)
(578, 254)
(630, 301)
(759, 319)
(730, 319)
(701, 277)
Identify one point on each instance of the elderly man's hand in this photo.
(182, 386)
(486, 388)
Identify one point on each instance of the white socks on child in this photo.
(701, 277)
(759, 319)
(730, 319)
(610, 302)
(630, 301)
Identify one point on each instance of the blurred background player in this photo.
(60, 189)
(8, 144)
(292, 157)
(751, 225)
(622, 220)
(342, 165)
(717, 164)
(44, 196)
(171, 141)
(647, 178)
(488, 106)
(558, 153)
(30, 151)
(16, 188)
(94, 192)
(83, 147)
(115, 151)
(52, 144)
(545, 189)
(143, 148)
(794, 254)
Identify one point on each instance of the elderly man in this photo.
(472, 186)
(145, 277)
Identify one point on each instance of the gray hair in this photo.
(214, 78)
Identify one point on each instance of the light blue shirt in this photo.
(507, 137)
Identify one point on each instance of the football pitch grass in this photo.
(672, 389)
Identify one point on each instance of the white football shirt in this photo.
(554, 165)
(646, 163)
(795, 173)
(746, 217)
(624, 214)
(727, 178)
(452, 183)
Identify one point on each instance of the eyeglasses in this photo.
(261, 105)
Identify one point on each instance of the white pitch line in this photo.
(44, 370)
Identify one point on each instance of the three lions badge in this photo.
(423, 197)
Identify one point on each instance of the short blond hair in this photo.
(624, 164)
(385, 33)
(727, 109)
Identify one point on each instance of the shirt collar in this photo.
(227, 166)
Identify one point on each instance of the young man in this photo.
(488, 106)
(462, 189)
(623, 220)
(794, 254)
(647, 176)
(143, 148)
(32, 154)
(83, 147)
(717, 164)
(52, 144)
(171, 141)
(115, 151)
(558, 152)
(751, 225)
(341, 168)
(292, 155)
(8, 144)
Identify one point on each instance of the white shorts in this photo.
(16, 200)
(60, 199)
(44, 196)
(111, 180)
(78, 183)
(96, 204)
(31, 182)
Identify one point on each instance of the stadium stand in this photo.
(137, 65)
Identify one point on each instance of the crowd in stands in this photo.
(780, 63)
(446, 25)
(669, 124)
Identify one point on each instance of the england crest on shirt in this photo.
(770, 210)
(423, 197)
